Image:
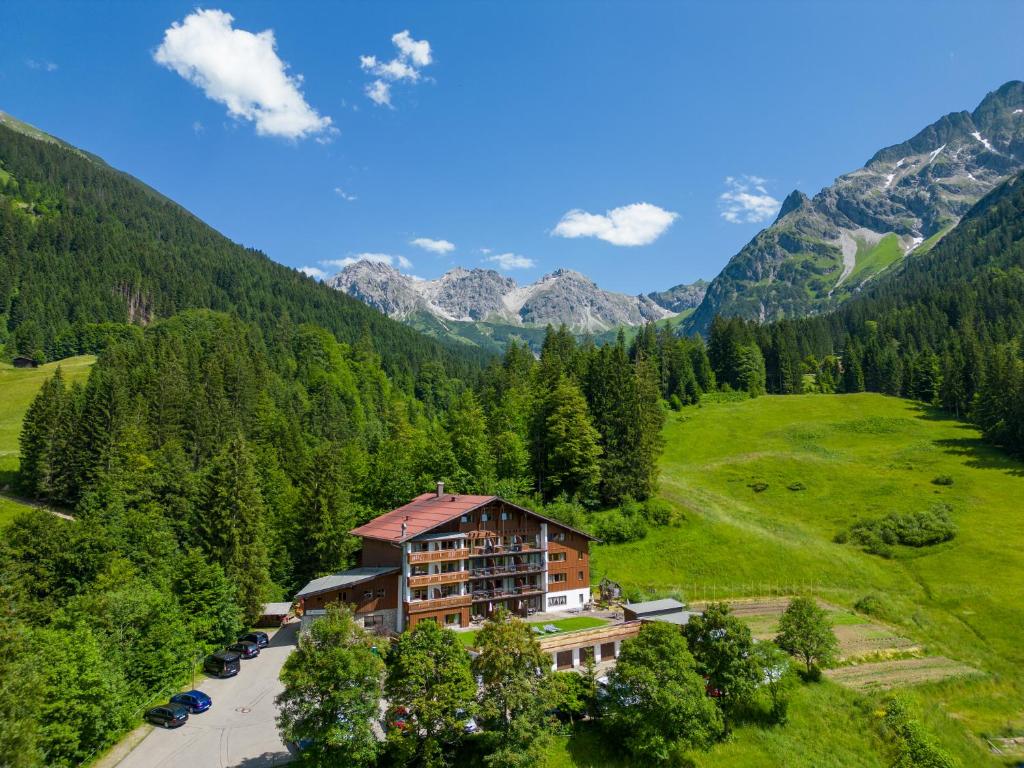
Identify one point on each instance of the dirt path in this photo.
(37, 505)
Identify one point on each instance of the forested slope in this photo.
(945, 329)
(82, 244)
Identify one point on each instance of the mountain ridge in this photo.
(562, 297)
(822, 249)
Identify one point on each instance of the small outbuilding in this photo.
(25, 362)
(652, 608)
(274, 614)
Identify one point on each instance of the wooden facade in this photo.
(461, 558)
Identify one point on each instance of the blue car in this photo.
(194, 701)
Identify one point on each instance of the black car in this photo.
(223, 664)
(262, 639)
(245, 649)
(168, 715)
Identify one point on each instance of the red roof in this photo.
(424, 513)
(427, 511)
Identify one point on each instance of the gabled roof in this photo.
(347, 579)
(427, 511)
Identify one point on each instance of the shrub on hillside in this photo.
(620, 526)
(942, 480)
(916, 529)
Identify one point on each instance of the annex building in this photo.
(455, 559)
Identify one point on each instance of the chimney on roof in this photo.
(405, 526)
(440, 489)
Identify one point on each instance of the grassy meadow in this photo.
(17, 388)
(765, 485)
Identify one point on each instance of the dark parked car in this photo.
(194, 701)
(223, 664)
(245, 649)
(168, 715)
(262, 639)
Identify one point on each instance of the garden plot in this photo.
(872, 655)
(883, 675)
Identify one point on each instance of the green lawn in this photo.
(571, 624)
(17, 388)
(857, 456)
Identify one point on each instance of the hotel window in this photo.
(384, 592)
(557, 536)
(464, 519)
(419, 570)
(421, 546)
(581, 576)
(557, 578)
(449, 567)
(560, 600)
(373, 621)
(506, 515)
(452, 619)
(368, 595)
(418, 594)
(485, 517)
(556, 557)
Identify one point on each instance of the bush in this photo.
(797, 486)
(659, 512)
(917, 529)
(620, 526)
(758, 486)
(942, 480)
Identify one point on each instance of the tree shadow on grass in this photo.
(590, 748)
(980, 455)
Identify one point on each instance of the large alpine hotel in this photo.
(455, 559)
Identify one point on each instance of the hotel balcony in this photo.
(491, 550)
(429, 579)
(505, 570)
(439, 603)
(438, 555)
(480, 595)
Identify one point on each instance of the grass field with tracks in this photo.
(765, 485)
(17, 388)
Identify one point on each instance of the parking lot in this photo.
(238, 731)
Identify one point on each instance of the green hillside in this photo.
(828, 461)
(17, 388)
(88, 246)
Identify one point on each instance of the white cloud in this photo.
(242, 71)
(418, 51)
(379, 93)
(434, 246)
(346, 196)
(746, 200)
(636, 224)
(314, 272)
(44, 65)
(383, 258)
(197, 127)
(511, 261)
(412, 56)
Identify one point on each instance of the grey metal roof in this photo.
(346, 579)
(682, 618)
(654, 606)
(276, 609)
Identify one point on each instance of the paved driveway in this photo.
(238, 731)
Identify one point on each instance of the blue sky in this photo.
(519, 123)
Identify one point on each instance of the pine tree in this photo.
(324, 515)
(571, 464)
(231, 523)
